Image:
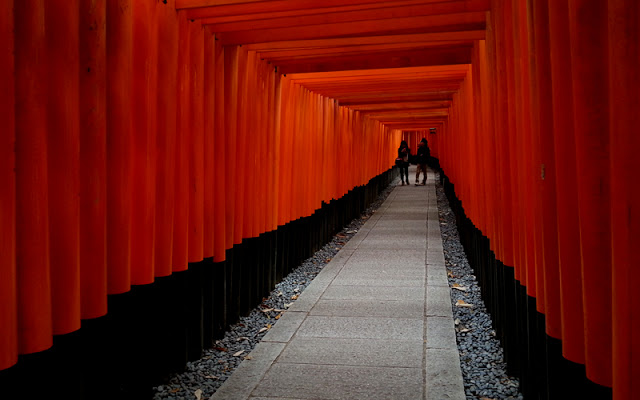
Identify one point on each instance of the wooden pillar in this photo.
(166, 114)
(195, 144)
(63, 143)
(624, 107)
(144, 92)
(182, 148)
(209, 110)
(547, 177)
(8, 292)
(221, 168)
(566, 184)
(119, 144)
(589, 54)
(32, 233)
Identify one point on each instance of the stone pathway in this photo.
(376, 323)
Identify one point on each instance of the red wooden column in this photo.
(93, 158)
(547, 178)
(589, 55)
(231, 132)
(195, 145)
(182, 149)
(209, 110)
(502, 135)
(144, 92)
(624, 107)
(8, 294)
(32, 234)
(119, 144)
(250, 143)
(240, 150)
(63, 142)
(566, 185)
(166, 114)
(220, 135)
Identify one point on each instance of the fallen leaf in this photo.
(457, 321)
(238, 353)
(279, 294)
(176, 390)
(278, 316)
(296, 290)
(464, 330)
(458, 287)
(198, 394)
(268, 326)
(341, 235)
(262, 330)
(462, 303)
(242, 338)
(294, 297)
(287, 305)
(221, 349)
(248, 358)
(350, 232)
(211, 377)
(266, 310)
(279, 310)
(328, 260)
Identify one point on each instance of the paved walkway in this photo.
(376, 323)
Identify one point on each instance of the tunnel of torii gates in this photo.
(164, 163)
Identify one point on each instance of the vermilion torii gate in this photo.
(149, 146)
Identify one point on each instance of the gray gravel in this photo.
(481, 356)
(209, 373)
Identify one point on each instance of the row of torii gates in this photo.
(145, 142)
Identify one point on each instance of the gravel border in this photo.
(203, 377)
(481, 355)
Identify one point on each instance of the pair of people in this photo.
(422, 158)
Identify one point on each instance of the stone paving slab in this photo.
(363, 352)
(376, 323)
(366, 308)
(362, 328)
(337, 382)
(337, 292)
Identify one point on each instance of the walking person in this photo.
(403, 161)
(422, 158)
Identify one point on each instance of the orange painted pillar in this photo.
(195, 144)
(166, 114)
(589, 54)
(566, 184)
(183, 149)
(8, 293)
(63, 142)
(209, 110)
(93, 158)
(624, 104)
(247, 150)
(547, 177)
(240, 150)
(231, 133)
(119, 145)
(32, 233)
(220, 136)
(144, 92)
